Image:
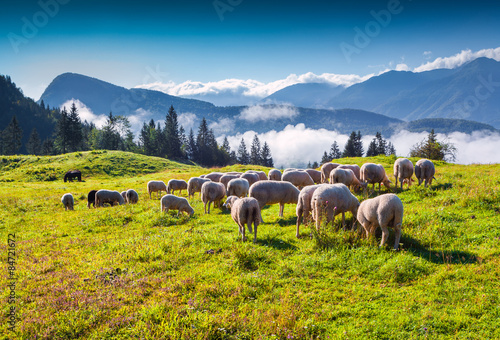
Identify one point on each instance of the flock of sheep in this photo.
(323, 194)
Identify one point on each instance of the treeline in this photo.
(170, 141)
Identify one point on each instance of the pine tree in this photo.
(184, 141)
(191, 146)
(255, 156)
(335, 151)
(372, 148)
(381, 144)
(309, 166)
(325, 158)
(350, 146)
(225, 145)
(358, 146)
(75, 134)
(173, 140)
(203, 148)
(161, 142)
(267, 159)
(63, 132)
(12, 136)
(315, 165)
(48, 147)
(431, 148)
(391, 150)
(145, 140)
(34, 145)
(243, 156)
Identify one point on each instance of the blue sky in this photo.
(130, 43)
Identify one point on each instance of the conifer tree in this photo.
(225, 145)
(34, 145)
(315, 165)
(48, 147)
(372, 149)
(325, 158)
(161, 142)
(431, 148)
(243, 156)
(358, 146)
(173, 140)
(63, 132)
(391, 150)
(255, 156)
(267, 159)
(75, 129)
(335, 151)
(12, 136)
(350, 146)
(191, 146)
(381, 144)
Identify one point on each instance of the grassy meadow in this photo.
(132, 272)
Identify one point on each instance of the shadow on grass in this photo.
(276, 243)
(442, 186)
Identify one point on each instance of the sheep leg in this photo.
(209, 203)
(205, 206)
(299, 217)
(255, 232)
(242, 229)
(343, 220)
(385, 235)
(282, 207)
(397, 235)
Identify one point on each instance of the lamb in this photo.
(347, 177)
(214, 176)
(251, 178)
(333, 199)
(304, 204)
(375, 173)
(172, 202)
(238, 187)
(326, 168)
(354, 167)
(424, 171)
(262, 175)
(91, 198)
(124, 195)
(299, 178)
(272, 192)
(212, 192)
(403, 170)
(315, 175)
(108, 196)
(194, 185)
(245, 211)
(156, 186)
(176, 184)
(226, 178)
(132, 196)
(68, 201)
(383, 211)
(274, 175)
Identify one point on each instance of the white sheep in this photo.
(382, 211)
(132, 196)
(325, 169)
(238, 187)
(299, 178)
(424, 171)
(68, 201)
(347, 177)
(212, 192)
(250, 177)
(354, 167)
(124, 195)
(273, 192)
(304, 204)
(176, 184)
(214, 176)
(331, 200)
(403, 170)
(245, 210)
(108, 196)
(315, 175)
(226, 178)
(172, 202)
(156, 186)
(375, 173)
(194, 185)
(274, 175)
(262, 175)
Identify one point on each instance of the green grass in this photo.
(132, 272)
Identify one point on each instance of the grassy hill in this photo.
(132, 272)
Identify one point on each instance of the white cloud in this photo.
(295, 146)
(85, 113)
(222, 126)
(402, 67)
(459, 59)
(188, 121)
(427, 54)
(268, 112)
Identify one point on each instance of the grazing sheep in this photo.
(375, 173)
(156, 186)
(272, 192)
(347, 177)
(68, 201)
(245, 211)
(212, 192)
(299, 178)
(333, 199)
(226, 178)
(274, 175)
(354, 167)
(262, 175)
(91, 198)
(383, 211)
(251, 178)
(304, 204)
(214, 176)
(176, 184)
(132, 196)
(108, 196)
(424, 171)
(194, 185)
(403, 170)
(172, 202)
(315, 175)
(124, 195)
(238, 187)
(289, 169)
(326, 168)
